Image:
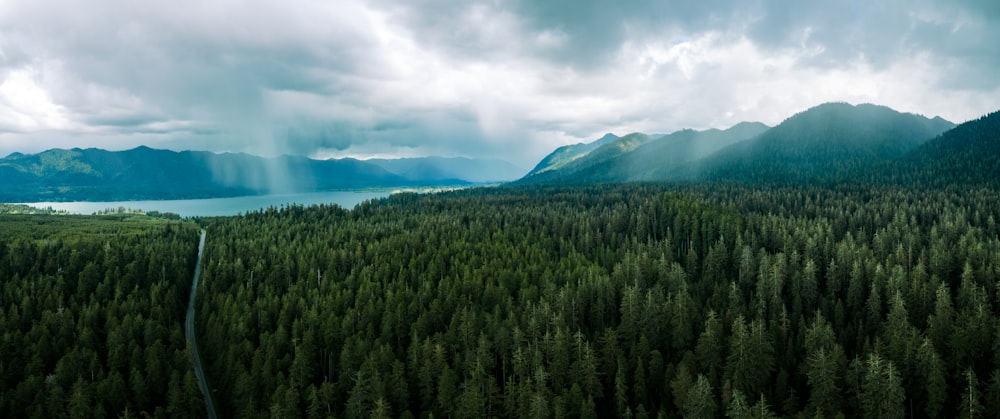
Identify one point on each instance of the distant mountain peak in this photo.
(831, 142)
(636, 156)
(567, 153)
(747, 124)
(148, 173)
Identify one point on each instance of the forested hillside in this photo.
(572, 168)
(828, 144)
(565, 154)
(91, 313)
(640, 301)
(666, 156)
(636, 157)
(967, 154)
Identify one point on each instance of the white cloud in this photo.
(26, 106)
(498, 79)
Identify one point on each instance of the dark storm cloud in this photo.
(594, 30)
(597, 29)
(590, 32)
(508, 78)
(879, 32)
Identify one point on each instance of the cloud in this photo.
(25, 106)
(491, 78)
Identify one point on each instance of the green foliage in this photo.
(25, 209)
(700, 402)
(935, 385)
(628, 300)
(605, 300)
(967, 154)
(91, 310)
(828, 144)
(751, 356)
(882, 390)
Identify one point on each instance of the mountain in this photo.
(830, 143)
(145, 173)
(565, 154)
(57, 175)
(966, 154)
(639, 157)
(450, 169)
(659, 159)
(607, 151)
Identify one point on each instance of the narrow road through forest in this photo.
(199, 373)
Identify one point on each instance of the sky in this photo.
(491, 79)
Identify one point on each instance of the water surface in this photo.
(211, 207)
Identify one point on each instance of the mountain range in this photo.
(146, 173)
(640, 157)
(831, 144)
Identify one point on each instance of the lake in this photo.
(221, 206)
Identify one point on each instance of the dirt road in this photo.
(189, 334)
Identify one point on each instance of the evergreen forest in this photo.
(91, 317)
(635, 300)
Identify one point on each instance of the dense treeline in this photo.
(91, 315)
(638, 300)
(968, 154)
(632, 301)
(25, 209)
